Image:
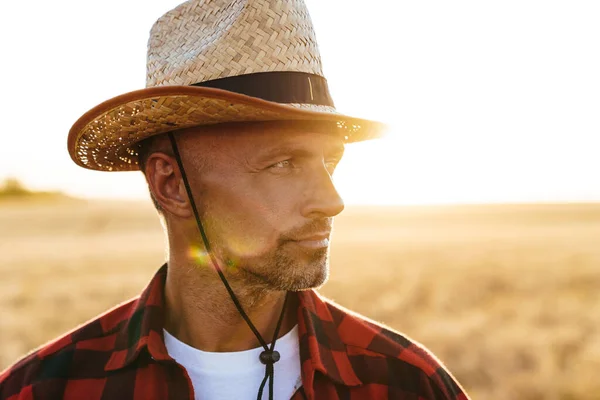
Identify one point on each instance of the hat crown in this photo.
(203, 40)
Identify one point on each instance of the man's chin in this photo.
(303, 274)
(298, 276)
(313, 280)
(289, 269)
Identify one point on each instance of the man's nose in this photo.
(321, 197)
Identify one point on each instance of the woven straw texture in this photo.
(231, 38)
(198, 41)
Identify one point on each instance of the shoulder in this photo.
(79, 354)
(376, 350)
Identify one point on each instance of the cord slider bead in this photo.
(269, 357)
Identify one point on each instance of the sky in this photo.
(488, 101)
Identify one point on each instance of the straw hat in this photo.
(215, 61)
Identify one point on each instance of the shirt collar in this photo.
(321, 348)
(141, 330)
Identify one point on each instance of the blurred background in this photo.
(474, 227)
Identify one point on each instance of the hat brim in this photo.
(104, 138)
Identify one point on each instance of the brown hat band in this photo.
(277, 86)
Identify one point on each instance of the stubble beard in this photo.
(289, 272)
(286, 267)
(284, 270)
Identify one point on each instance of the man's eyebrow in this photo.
(297, 151)
(286, 149)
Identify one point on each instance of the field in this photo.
(507, 296)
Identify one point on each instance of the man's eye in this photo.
(282, 164)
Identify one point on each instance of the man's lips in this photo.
(315, 241)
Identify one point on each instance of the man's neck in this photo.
(200, 312)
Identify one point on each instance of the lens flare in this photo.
(202, 259)
(231, 266)
(199, 255)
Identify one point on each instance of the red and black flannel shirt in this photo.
(121, 355)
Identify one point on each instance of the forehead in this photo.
(259, 137)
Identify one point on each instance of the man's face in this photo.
(266, 199)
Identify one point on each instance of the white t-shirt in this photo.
(238, 375)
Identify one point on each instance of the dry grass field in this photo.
(507, 296)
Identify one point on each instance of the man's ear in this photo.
(165, 182)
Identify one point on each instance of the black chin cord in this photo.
(269, 356)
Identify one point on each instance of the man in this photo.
(238, 139)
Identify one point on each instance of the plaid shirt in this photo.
(121, 355)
